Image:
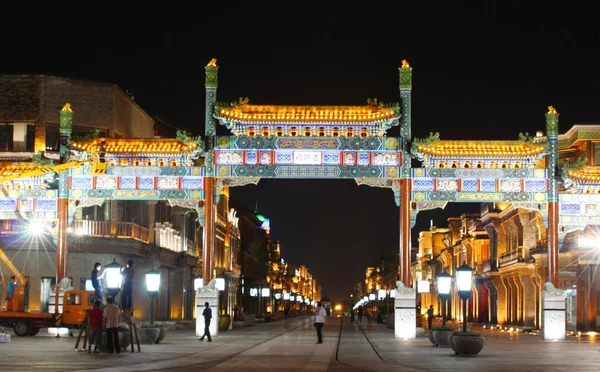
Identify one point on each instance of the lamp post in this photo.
(464, 278)
(113, 278)
(444, 283)
(152, 286)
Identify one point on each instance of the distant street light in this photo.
(464, 279)
(444, 283)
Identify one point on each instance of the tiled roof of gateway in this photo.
(135, 145)
(9, 170)
(303, 114)
(585, 174)
(480, 149)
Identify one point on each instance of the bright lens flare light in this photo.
(36, 227)
(338, 307)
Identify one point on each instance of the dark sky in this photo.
(484, 72)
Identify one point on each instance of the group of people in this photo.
(108, 317)
(126, 286)
(360, 312)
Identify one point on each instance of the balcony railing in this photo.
(511, 257)
(109, 229)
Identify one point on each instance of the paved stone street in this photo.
(291, 345)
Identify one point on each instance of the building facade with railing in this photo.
(153, 233)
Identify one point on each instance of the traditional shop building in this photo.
(507, 246)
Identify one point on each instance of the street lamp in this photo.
(444, 283)
(113, 278)
(464, 278)
(152, 286)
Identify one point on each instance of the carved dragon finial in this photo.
(243, 101)
(405, 64)
(212, 63)
(552, 110)
(373, 102)
(525, 137)
(67, 107)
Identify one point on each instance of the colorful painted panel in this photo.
(106, 182)
(25, 205)
(307, 172)
(251, 157)
(8, 205)
(146, 183)
(363, 158)
(423, 184)
(127, 183)
(283, 157)
(229, 157)
(535, 185)
(590, 209)
(265, 157)
(570, 209)
(510, 185)
(192, 183)
(167, 183)
(446, 185)
(488, 185)
(42, 205)
(81, 183)
(331, 158)
(470, 185)
(350, 158)
(386, 158)
(479, 197)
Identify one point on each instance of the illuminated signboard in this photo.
(307, 157)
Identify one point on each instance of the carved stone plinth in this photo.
(554, 320)
(209, 294)
(405, 312)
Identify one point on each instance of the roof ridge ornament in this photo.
(67, 107)
(405, 64)
(525, 137)
(212, 63)
(552, 110)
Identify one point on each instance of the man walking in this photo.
(111, 323)
(319, 321)
(207, 313)
(430, 316)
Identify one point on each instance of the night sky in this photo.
(486, 72)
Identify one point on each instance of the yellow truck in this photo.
(75, 305)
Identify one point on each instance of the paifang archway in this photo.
(350, 142)
(325, 142)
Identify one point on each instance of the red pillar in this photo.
(61, 246)
(209, 230)
(553, 267)
(405, 234)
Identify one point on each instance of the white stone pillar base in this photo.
(554, 317)
(405, 312)
(209, 294)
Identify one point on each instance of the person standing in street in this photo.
(207, 313)
(96, 278)
(430, 316)
(111, 323)
(127, 290)
(95, 327)
(319, 321)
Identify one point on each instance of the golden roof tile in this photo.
(135, 145)
(300, 114)
(480, 149)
